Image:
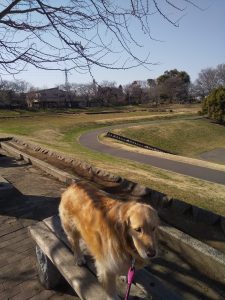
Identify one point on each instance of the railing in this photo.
(135, 143)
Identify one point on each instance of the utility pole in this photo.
(66, 79)
(67, 87)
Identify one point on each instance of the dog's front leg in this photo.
(108, 280)
(109, 283)
(78, 255)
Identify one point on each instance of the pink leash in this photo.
(130, 279)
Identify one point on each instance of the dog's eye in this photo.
(138, 229)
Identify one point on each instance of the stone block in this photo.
(106, 176)
(126, 185)
(179, 206)
(156, 198)
(204, 216)
(68, 160)
(164, 201)
(140, 190)
(50, 153)
(222, 223)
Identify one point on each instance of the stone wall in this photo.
(174, 211)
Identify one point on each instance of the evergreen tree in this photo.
(214, 105)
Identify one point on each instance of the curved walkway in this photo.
(90, 140)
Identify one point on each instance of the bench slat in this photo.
(81, 279)
(54, 224)
(147, 285)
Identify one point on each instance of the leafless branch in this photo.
(78, 34)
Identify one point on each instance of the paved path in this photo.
(216, 155)
(90, 140)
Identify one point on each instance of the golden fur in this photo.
(114, 231)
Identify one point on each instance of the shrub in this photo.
(214, 105)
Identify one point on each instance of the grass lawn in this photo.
(61, 133)
(183, 137)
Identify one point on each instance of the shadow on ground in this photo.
(29, 207)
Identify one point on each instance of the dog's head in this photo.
(142, 224)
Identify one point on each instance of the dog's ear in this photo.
(123, 222)
(122, 227)
(127, 221)
(126, 226)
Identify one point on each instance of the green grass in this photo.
(61, 133)
(183, 137)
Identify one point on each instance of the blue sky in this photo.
(198, 43)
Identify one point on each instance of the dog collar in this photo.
(133, 262)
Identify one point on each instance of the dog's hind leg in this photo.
(74, 238)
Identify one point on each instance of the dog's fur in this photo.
(114, 231)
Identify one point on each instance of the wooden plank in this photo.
(155, 286)
(54, 224)
(80, 278)
(147, 285)
(46, 167)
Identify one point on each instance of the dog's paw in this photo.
(115, 297)
(80, 260)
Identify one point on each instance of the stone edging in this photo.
(164, 204)
(207, 260)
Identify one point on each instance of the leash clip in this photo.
(133, 263)
(130, 278)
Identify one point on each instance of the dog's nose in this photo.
(151, 253)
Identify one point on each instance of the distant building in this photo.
(55, 98)
(47, 98)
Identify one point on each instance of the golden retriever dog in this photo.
(115, 232)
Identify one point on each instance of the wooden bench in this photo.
(55, 260)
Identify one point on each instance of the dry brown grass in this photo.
(197, 162)
(142, 117)
(184, 137)
(194, 191)
(61, 133)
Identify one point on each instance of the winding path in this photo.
(90, 140)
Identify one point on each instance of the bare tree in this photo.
(207, 81)
(86, 90)
(134, 92)
(78, 34)
(153, 91)
(106, 83)
(18, 86)
(109, 94)
(12, 93)
(221, 74)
